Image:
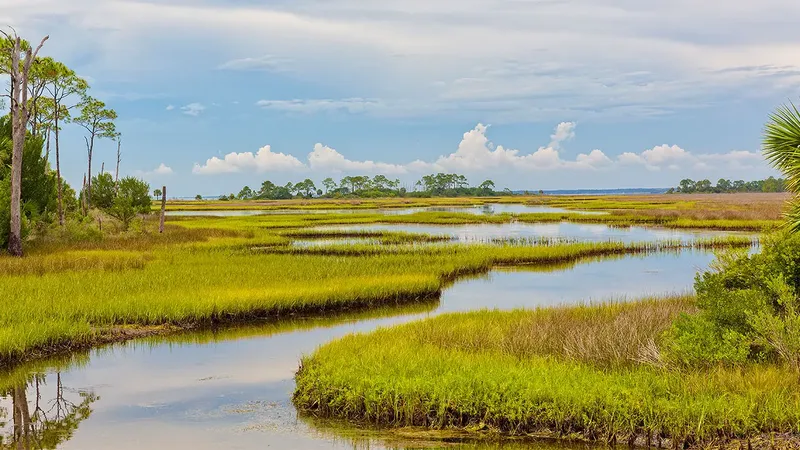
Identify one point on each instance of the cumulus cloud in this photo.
(564, 132)
(324, 158)
(265, 160)
(162, 169)
(477, 153)
(350, 105)
(193, 109)
(170, 107)
(676, 158)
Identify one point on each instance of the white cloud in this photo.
(351, 105)
(265, 160)
(161, 170)
(269, 63)
(674, 157)
(170, 107)
(193, 109)
(324, 158)
(564, 132)
(477, 154)
(595, 159)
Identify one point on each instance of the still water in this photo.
(231, 388)
(562, 230)
(488, 209)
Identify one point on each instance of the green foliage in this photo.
(103, 191)
(438, 185)
(39, 194)
(123, 210)
(694, 340)
(689, 186)
(138, 191)
(748, 308)
(782, 149)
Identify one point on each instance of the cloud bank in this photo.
(477, 154)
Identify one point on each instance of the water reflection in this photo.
(564, 231)
(37, 416)
(366, 437)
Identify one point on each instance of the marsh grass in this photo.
(566, 372)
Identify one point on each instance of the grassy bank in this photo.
(589, 372)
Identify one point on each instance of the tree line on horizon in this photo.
(724, 186)
(434, 185)
(44, 96)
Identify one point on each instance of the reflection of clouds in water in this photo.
(547, 230)
(596, 230)
(571, 231)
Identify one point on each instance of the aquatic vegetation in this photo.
(577, 372)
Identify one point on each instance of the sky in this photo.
(213, 95)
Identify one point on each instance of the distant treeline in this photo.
(688, 186)
(438, 185)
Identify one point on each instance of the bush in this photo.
(124, 211)
(749, 309)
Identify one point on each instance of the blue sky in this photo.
(537, 94)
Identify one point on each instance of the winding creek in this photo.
(231, 388)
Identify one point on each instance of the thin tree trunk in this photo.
(83, 196)
(89, 148)
(116, 173)
(58, 175)
(163, 208)
(15, 235)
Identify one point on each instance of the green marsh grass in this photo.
(572, 372)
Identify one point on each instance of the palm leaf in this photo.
(781, 148)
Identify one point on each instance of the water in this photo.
(231, 388)
(487, 209)
(560, 230)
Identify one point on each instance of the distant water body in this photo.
(631, 191)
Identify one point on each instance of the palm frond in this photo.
(781, 145)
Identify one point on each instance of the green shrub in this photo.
(694, 340)
(748, 309)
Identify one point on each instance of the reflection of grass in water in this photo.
(270, 327)
(254, 329)
(363, 436)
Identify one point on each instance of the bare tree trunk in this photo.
(83, 196)
(163, 208)
(58, 176)
(22, 417)
(15, 235)
(88, 196)
(19, 121)
(47, 146)
(116, 173)
(102, 168)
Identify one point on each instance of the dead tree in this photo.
(19, 72)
